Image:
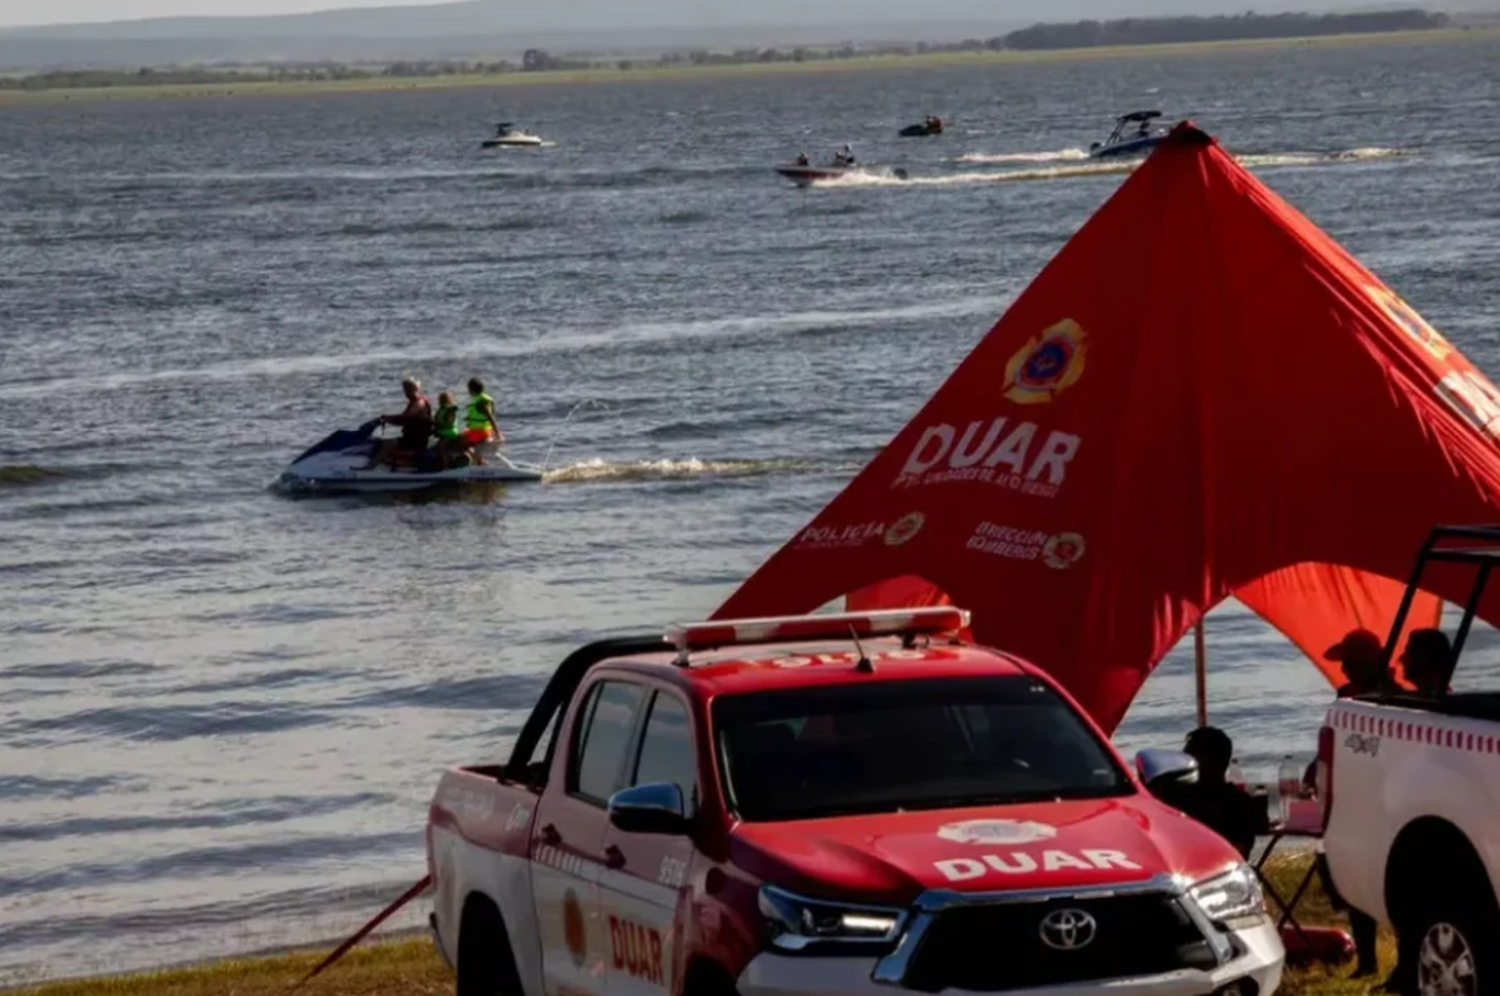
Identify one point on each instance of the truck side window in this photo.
(603, 739)
(667, 753)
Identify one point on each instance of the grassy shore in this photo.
(657, 73)
(412, 968)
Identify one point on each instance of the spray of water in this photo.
(562, 427)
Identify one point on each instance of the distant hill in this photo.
(488, 29)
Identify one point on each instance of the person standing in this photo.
(1361, 657)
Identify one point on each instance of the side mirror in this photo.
(1166, 769)
(654, 808)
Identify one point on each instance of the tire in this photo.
(1451, 947)
(486, 963)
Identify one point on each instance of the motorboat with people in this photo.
(804, 173)
(931, 125)
(345, 462)
(509, 134)
(1134, 135)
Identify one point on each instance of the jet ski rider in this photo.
(480, 425)
(450, 441)
(416, 427)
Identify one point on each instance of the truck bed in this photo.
(1464, 705)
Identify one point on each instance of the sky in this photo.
(14, 13)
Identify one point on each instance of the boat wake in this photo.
(1075, 170)
(999, 158)
(592, 471)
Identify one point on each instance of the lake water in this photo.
(222, 712)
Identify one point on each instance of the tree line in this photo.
(1080, 34)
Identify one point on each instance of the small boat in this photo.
(507, 134)
(805, 174)
(932, 126)
(338, 464)
(1133, 135)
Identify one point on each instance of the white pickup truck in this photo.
(1411, 785)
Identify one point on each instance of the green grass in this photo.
(648, 73)
(413, 968)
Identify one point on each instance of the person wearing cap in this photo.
(1224, 808)
(415, 421)
(1361, 657)
(1427, 663)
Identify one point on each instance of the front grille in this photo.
(994, 948)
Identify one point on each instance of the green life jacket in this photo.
(477, 418)
(446, 422)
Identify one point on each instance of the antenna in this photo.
(864, 666)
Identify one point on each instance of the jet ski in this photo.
(338, 464)
(932, 126)
(507, 134)
(1123, 143)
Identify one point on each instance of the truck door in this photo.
(568, 839)
(645, 874)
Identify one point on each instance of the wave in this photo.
(957, 301)
(590, 471)
(21, 475)
(996, 158)
(1107, 168)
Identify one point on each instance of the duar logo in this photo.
(997, 832)
(1047, 365)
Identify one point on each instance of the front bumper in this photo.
(771, 974)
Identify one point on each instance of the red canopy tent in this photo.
(1201, 396)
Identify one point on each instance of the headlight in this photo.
(797, 922)
(1230, 896)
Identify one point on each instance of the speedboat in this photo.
(932, 126)
(805, 175)
(507, 134)
(1134, 135)
(338, 464)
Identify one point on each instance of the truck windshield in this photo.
(890, 746)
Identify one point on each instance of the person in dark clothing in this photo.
(1428, 661)
(1226, 809)
(1361, 657)
(416, 427)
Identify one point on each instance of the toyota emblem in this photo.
(1068, 930)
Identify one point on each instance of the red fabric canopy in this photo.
(1201, 395)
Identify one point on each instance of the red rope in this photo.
(364, 931)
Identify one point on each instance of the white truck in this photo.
(1411, 790)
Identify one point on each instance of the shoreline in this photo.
(405, 963)
(930, 60)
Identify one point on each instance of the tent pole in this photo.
(1200, 672)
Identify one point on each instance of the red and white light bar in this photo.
(792, 629)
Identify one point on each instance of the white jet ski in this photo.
(338, 464)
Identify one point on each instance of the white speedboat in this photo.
(1134, 135)
(507, 134)
(339, 463)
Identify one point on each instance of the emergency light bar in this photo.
(836, 626)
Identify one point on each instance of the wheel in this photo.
(486, 963)
(1454, 947)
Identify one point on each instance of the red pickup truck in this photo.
(830, 804)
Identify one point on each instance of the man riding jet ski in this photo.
(466, 452)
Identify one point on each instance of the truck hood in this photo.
(892, 857)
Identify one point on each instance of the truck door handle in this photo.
(614, 857)
(550, 836)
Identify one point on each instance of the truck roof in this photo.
(741, 669)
